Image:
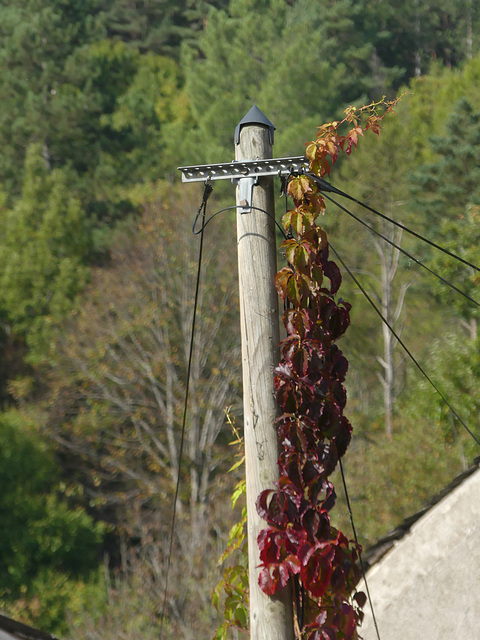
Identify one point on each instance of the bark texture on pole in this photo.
(270, 617)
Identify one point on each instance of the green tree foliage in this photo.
(454, 364)
(117, 413)
(94, 77)
(461, 234)
(428, 446)
(409, 36)
(430, 187)
(60, 87)
(118, 605)
(36, 40)
(370, 175)
(450, 197)
(450, 183)
(389, 479)
(99, 99)
(44, 247)
(159, 26)
(256, 52)
(45, 535)
(126, 108)
(152, 113)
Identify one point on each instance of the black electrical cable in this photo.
(393, 244)
(208, 188)
(324, 186)
(362, 568)
(235, 206)
(201, 211)
(407, 351)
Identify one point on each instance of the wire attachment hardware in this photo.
(245, 192)
(245, 173)
(244, 168)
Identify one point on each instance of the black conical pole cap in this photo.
(254, 116)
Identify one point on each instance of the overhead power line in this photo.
(406, 349)
(324, 186)
(354, 530)
(406, 253)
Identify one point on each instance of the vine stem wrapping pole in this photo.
(270, 617)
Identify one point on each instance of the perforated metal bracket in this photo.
(244, 168)
(245, 173)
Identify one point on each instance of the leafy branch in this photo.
(231, 593)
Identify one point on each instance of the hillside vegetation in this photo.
(101, 101)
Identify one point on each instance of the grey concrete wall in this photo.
(427, 587)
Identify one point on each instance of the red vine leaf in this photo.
(266, 582)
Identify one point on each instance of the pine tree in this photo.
(158, 26)
(45, 244)
(450, 198)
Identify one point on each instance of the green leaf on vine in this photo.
(298, 187)
(311, 150)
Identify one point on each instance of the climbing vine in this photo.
(299, 543)
(233, 585)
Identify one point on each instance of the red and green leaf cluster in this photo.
(314, 434)
(299, 540)
(323, 152)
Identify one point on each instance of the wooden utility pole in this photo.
(270, 617)
(253, 171)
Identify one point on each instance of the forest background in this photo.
(100, 102)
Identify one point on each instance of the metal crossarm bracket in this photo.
(245, 173)
(244, 168)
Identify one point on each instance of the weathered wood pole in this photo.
(270, 617)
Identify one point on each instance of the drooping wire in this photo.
(324, 186)
(231, 208)
(399, 248)
(405, 348)
(362, 567)
(201, 211)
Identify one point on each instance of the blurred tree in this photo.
(151, 112)
(159, 26)
(454, 366)
(389, 479)
(270, 53)
(428, 446)
(43, 526)
(45, 244)
(36, 39)
(411, 35)
(61, 83)
(377, 174)
(450, 197)
(118, 385)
